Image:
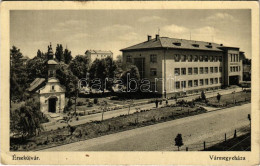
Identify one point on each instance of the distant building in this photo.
(98, 54)
(188, 66)
(50, 91)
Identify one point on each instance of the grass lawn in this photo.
(95, 129)
(229, 99)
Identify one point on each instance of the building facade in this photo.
(98, 54)
(50, 92)
(178, 66)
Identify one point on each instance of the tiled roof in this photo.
(99, 52)
(165, 42)
(36, 84)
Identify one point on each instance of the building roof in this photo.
(36, 84)
(52, 62)
(165, 42)
(99, 52)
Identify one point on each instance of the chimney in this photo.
(157, 37)
(149, 38)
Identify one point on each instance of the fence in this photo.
(227, 136)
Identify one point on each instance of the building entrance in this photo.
(139, 63)
(52, 105)
(233, 80)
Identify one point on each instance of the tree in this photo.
(103, 71)
(79, 66)
(37, 68)
(178, 141)
(131, 72)
(218, 97)
(18, 75)
(67, 56)
(59, 53)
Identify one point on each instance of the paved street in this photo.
(115, 113)
(194, 129)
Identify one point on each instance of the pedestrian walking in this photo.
(156, 103)
(166, 101)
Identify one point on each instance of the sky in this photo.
(81, 30)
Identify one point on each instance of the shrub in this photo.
(80, 103)
(90, 104)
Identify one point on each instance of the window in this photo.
(231, 69)
(206, 81)
(211, 58)
(183, 71)
(177, 71)
(216, 69)
(153, 71)
(206, 70)
(51, 73)
(177, 57)
(190, 83)
(201, 70)
(129, 58)
(237, 58)
(177, 84)
(189, 58)
(216, 80)
(52, 87)
(195, 58)
(216, 58)
(211, 81)
(195, 70)
(153, 58)
(201, 82)
(220, 69)
(206, 58)
(220, 79)
(195, 83)
(201, 58)
(220, 58)
(239, 68)
(234, 68)
(183, 58)
(211, 69)
(190, 71)
(183, 84)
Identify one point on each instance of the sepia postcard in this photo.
(130, 83)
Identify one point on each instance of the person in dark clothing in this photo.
(156, 103)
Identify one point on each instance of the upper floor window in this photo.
(211, 81)
(190, 71)
(201, 58)
(206, 70)
(190, 83)
(231, 69)
(206, 81)
(211, 58)
(206, 58)
(153, 71)
(153, 58)
(195, 58)
(129, 58)
(216, 58)
(220, 58)
(183, 58)
(211, 69)
(183, 84)
(177, 71)
(195, 70)
(183, 71)
(177, 57)
(201, 70)
(220, 79)
(216, 80)
(195, 83)
(201, 82)
(216, 69)
(189, 58)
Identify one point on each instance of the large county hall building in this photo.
(188, 66)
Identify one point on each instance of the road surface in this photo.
(207, 127)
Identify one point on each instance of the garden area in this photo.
(95, 129)
(227, 100)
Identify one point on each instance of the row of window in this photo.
(234, 58)
(196, 58)
(184, 58)
(234, 68)
(195, 83)
(202, 70)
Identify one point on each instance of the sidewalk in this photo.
(124, 111)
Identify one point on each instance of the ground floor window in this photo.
(195, 83)
(177, 84)
(190, 83)
(211, 81)
(220, 80)
(206, 81)
(201, 82)
(183, 84)
(216, 80)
